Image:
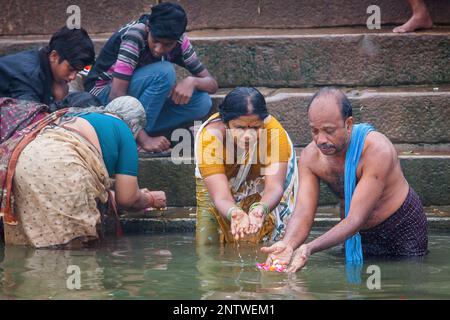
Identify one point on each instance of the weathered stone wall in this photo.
(25, 17)
(304, 60)
(428, 175)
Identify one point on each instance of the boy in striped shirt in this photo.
(137, 61)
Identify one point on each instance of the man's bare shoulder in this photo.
(378, 147)
(309, 156)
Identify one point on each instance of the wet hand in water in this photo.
(240, 223)
(279, 253)
(301, 256)
(256, 218)
(157, 199)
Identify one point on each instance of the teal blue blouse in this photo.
(117, 142)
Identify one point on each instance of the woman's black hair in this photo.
(243, 101)
(73, 45)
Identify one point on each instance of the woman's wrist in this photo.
(289, 244)
(149, 200)
(264, 206)
(230, 212)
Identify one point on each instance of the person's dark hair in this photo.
(73, 45)
(167, 21)
(243, 101)
(343, 102)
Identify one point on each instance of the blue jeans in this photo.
(151, 85)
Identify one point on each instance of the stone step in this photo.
(301, 13)
(309, 57)
(427, 172)
(406, 115)
(23, 17)
(184, 219)
(316, 57)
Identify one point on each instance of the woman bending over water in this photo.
(64, 172)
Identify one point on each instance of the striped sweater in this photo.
(128, 50)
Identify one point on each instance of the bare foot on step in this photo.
(415, 23)
(420, 19)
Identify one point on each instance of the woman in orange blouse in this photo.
(246, 172)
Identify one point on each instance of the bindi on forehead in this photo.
(251, 123)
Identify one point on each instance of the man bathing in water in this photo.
(384, 209)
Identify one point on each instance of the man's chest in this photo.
(334, 177)
(335, 181)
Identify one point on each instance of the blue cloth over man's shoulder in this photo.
(353, 247)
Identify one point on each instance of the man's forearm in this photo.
(119, 88)
(365, 197)
(297, 230)
(336, 235)
(207, 84)
(115, 94)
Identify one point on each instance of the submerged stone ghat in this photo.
(176, 220)
(428, 174)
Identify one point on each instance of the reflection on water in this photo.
(171, 267)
